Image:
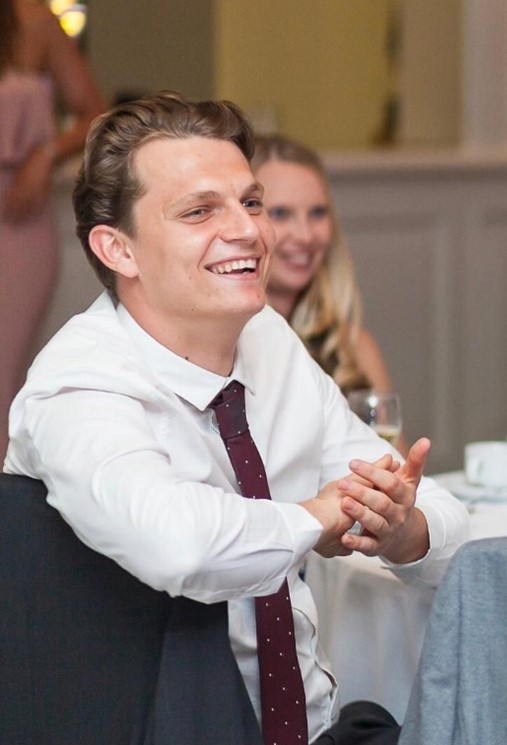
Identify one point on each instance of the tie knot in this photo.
(229, 407)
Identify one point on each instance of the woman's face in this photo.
(298, 203)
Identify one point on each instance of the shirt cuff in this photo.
(304, 529)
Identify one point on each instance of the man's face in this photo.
(202, 239)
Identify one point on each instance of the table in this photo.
(372, 624)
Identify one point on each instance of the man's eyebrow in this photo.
(194, 196)
(256, 186)
(197, 196)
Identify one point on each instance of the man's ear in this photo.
(112, 247)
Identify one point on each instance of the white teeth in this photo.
(234, 266)
(300, 259)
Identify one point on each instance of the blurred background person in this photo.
(39, 65)
(311, 281)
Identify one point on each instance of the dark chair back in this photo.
(91, 656)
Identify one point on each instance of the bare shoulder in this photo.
(366, 341)
(35, 15)
(40, 30)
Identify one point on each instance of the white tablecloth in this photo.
(372, 624)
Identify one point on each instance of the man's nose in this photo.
(239, 224)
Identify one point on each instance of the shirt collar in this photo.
(191, 382)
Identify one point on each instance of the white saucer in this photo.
(455, 482)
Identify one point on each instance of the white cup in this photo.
(486, 463)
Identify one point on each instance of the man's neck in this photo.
(210, 344)
(208, 354)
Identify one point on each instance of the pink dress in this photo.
(28, 249)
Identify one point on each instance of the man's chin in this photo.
(253, 309)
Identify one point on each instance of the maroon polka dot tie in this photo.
(283, 704)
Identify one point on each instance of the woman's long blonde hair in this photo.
(328, 313)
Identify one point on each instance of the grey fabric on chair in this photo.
(460, 693)
(90, 655)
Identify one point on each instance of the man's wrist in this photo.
(414, 545)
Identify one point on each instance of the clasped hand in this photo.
(381, 497)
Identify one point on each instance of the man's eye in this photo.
(197, 213)
(278, 213)
(254, 204)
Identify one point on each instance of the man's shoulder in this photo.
(91, 347)
(95, 328)
(268, 345)
(269, 326)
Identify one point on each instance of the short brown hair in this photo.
(107, 185)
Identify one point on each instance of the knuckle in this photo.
(392, 480)
(384, 504)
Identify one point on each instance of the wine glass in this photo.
(382, 411)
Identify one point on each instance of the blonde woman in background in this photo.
(38, 62)
(311, 281)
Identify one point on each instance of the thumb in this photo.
(412, 469)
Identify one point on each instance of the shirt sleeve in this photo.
(347, 437)
(112, 482)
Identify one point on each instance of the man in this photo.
(121, 413)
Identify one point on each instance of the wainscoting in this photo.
(429, 239)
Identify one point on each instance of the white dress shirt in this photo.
(117, 426)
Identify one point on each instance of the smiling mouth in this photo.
(300, 260)
(243, 266)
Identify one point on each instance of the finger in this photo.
(365, 544)
(412, 469)
(386, 462)
(380, 479)
(371, 508)
(408, 473)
